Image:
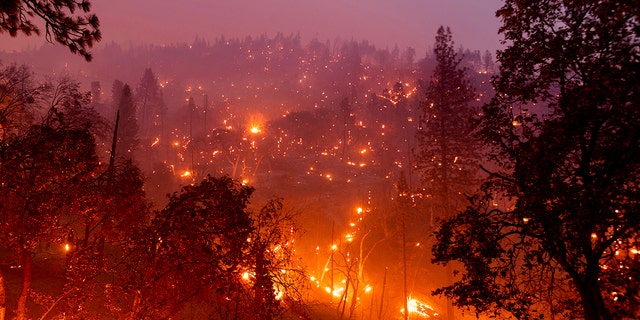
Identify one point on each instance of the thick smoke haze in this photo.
(384, 23)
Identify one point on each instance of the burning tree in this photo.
(206, 249)
(45, 168)
(277, 278)
(193, 245)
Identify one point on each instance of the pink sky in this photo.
(382, 22)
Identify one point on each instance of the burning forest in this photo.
(273, 177)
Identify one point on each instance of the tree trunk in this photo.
(21, 311)
(135, 306)
(593, 304)
(263, 299)
(3, 305)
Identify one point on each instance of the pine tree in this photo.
(151, 106)
(446, 155)
(128, 126)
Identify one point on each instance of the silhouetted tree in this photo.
(557, 228)
(17, 99)
(409, 56)
(48, 167)
(278, 279)
(128, 125)
(116, 94)
(74, 108)
(487, 61)
(77, 32)
(111, 212)
(151, 107)
(44, 172)
(197, 242)
(446, 154)
(350, 67)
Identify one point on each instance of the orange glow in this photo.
(349, 237)
(278, 294)
(186, 174)
(337, 292)
(256, 122)
(419, 308)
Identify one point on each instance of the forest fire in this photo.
(278, 177)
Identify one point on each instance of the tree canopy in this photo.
(556, 229)
(68, 22)
(85, 228)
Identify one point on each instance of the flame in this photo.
(420, 308)
(255, 123)
(349, 237)
(278, 294)
(255, 129)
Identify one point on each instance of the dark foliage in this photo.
(195, 243)
(555, 229)
(63, 24)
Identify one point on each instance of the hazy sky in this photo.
(382, 22)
